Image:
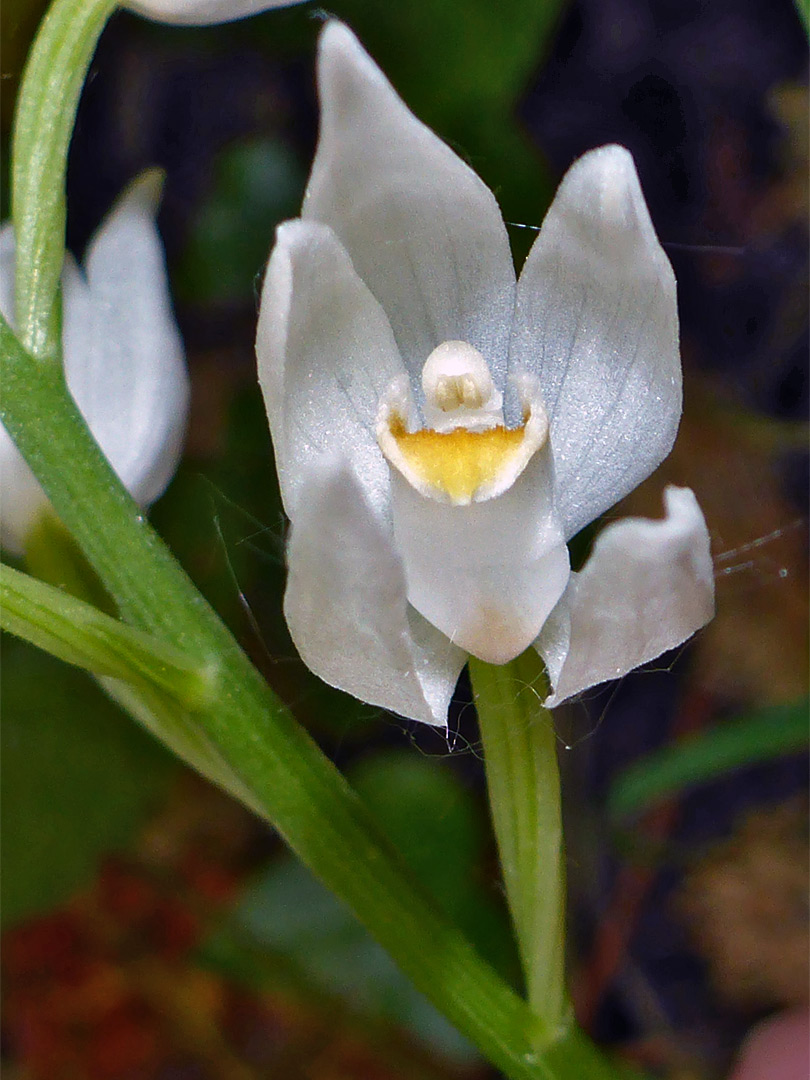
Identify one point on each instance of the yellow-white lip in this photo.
(474, 456)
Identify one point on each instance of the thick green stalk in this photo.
(43, 124)
(520, 756)
(256, 739)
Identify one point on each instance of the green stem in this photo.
(520, 755)
(43, 124)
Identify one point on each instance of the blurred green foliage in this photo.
(291, 919)
(257, 183)
(759, 736)
(78, 778)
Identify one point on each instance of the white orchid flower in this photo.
(202, 12)
(441, 430)
(123, 359)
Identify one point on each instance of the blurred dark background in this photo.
(153, 929)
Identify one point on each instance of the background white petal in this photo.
(326, 355)
(346, 603)
(487, 574)
(124, 360)
(423, 231)
(22, 500)
(647, 587)
(597, 322)
(7, 256)
(202, 12)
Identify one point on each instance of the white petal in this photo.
(123, 355)
(597, 322)
(326, 355)
(22, 500)
(486, 574)
(423, 231)
(647, 587)
(7, 265)
(202, 12)
(346, 603)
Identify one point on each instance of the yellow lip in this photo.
(460, 463)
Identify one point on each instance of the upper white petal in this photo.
(486, 574)
(597, 322)
(202, 12)
(647, 587)
(326, 355)
(346, 603)
(123, 356)
(423, 231)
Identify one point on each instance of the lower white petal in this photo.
(486, 574)
(646, 588)
(346, 603)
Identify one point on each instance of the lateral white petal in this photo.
(326, 356)
(346, 603)
(647, 587)
(487, 574)
(123, 356)
(202, 12)
(423, 231)
(597, 322)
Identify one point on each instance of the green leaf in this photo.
(80, 634)
(78, 778)
(747, 740)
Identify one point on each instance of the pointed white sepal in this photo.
(597, 323)
(422, 230)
